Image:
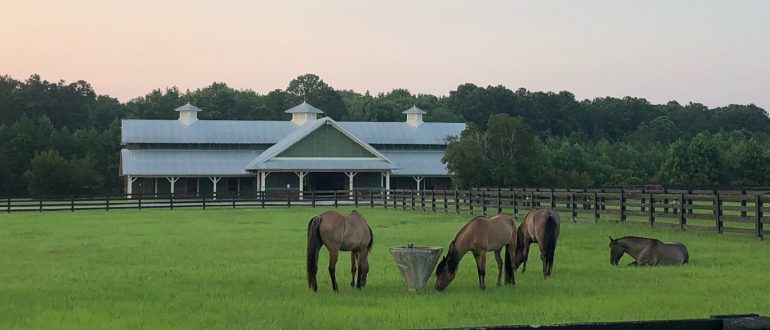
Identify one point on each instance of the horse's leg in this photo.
(511, 252)
(481, 261)
(543, 258)
(363, 267)
(353, 262)
(525, 256)
(499, 265)
(333, 253)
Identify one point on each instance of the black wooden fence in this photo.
(737, 211)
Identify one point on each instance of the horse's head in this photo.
(616, 251)
(444, 275)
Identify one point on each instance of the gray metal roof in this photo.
(233, 162)
(185, 162)
(417, 162)
(269, 132)
(303, 108)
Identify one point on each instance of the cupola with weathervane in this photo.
(303, 113)
(188, 113)
(414, 116)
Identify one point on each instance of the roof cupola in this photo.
(414, 116)
(188, 113)
(303, 113)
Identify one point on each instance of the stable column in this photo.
(130, 186)
(263, 177)
(418, 179)
(386, 176)
(351, 175)
(172, 180)
(301, 176)
(214, 181)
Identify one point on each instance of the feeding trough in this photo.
(416, 263)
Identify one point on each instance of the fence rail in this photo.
(744, 212)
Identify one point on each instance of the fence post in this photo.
(622, 206)
(371, 198)
(233, 201)
(411, 198)
(596, 207)
(446, 207)
(140, 201)
(499, 202)
(682, 220)
(403, 200)
(470, 201)
(743, 204)
(171, 201)
(8, 204)
(264, 195)
(758, 212)
(422, 200)
(718, 213)
(204, 203)
(40, 204)
(384, 199)
(108, 203)
(355, 198)
(335, 198)
(652, 210)
(553, 199)
(72, 204)
(457, 202)
(484, 201)
(312, 197)
(433, 200)
(513, 202)
(573, 207)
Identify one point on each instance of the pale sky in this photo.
(713, 52)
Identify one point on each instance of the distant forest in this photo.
(59, 138)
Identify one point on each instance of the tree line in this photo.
(63, 138)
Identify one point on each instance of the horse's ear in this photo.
(610, 238)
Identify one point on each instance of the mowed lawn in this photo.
(245, 268)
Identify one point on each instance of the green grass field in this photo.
(245, 268)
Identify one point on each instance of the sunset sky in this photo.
(713, 52)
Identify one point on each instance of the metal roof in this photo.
(185, 162)
(304, 107)
(270, 132)
(417, 162)
(233, 163)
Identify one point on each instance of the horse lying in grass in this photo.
(480, 235)
(339, 233)
(540, 226)
(648, 251)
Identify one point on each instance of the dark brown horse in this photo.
(339, 233)
(648, 251)
(480, 235)
(540, 226)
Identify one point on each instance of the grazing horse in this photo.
(648, 251)
(480, 235)
(339, 233)
(540, 226)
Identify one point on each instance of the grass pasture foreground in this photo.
(245, 268)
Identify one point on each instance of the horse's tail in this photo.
(314, 243)
(371, 239)
(550, 241)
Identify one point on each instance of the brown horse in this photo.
(480, 235)
(648, 251)
(540, 226)
(339, 233)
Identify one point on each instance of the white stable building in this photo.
(196, 157)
